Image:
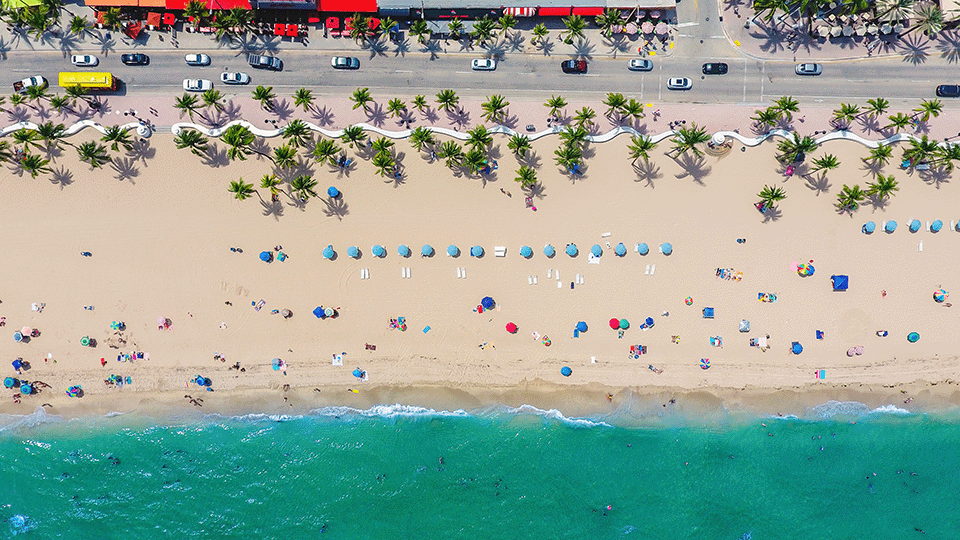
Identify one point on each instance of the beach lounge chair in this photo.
(708, 313)
(500, 251)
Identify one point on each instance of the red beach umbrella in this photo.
(512, 328)
(615, 323)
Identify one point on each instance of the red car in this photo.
(574, 66)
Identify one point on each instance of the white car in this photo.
(483, 64)
(808, 69)
(197, 85)
(640, 64)
(197, 59)
(679, 83)
(235, 77)
(84, 60)
(345, 62)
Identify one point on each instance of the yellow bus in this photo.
(88, 79)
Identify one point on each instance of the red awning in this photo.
(292, 30)
(333, 23)
(153, 19)
(99, 15)
(553, 11)
(211, 4)
(169, 18)
(313, 20)
(520, 12)
(588, 11)
(348, 6)
(373, 23)
(133, 29)
(278, 29)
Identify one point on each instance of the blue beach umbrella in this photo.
(378, 251)
(476, 251)
(666, 248)
(358, 373)
(936, 226)
(915, 225)
(453, 250)
(620, 250)
(566, 371)
(643, 249)
(581, 326)
(403, 250)
(352, 251)
(487, 302)
(572, 250)
(266, 256)
(328, 252)
(318, 313)
(333, 192)
(9, 382)
(426, 250)
(526, 252)
(891, 226)
(869, 227)
(549, 251)
(26, 389)
(596, 250)
(18, 337)
(796, 347)
(649, 321)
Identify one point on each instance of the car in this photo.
(483, 64)
(260, 61)
(573, 66)
(234, 77)
(640, 64)
(948, 90)
(135, 59)
(197, 85)
(718, 68)
(345, 62)
(84, 60)
(679, 83)
(197, 59)
(809, 69)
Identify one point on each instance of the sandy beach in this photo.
(160, 242)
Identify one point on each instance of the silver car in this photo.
(483, 64)
(197, 59)
(640, 64)
(197, 85)
(345, 62)
(84, 60)
(809, 69)
(234, 77)
(679, 83)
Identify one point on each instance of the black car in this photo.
(948, 90)
(265, 62)
(574, 66)
(135, 59)
(715, 69)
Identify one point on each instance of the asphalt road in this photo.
(519, 76)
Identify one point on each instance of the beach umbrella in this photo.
(620, 250)
(512, 328)
(526, 252)
(10, 382)
(328, 252)
(666, 248)
(796, 347)
(18, 337)
(847, 30)
(266, 256)
(318, 312)
(549, 251)
(885, 28)
(276, 364)
(649, 321)
(476, 251)
(566, 371)
(823, 31)
(333, 192)
(936, 226)
(286, 313)
(873, 29)
(26, 330)
(890, 226)
(630, 28)
(378, 251)
(615, 323)
(116, 325)
(661, 28)
(596, 250)
(426, 250)
(328, 312)
(403, 251)
(572, 250)
(26, 389)
(581, 326)
(835, 31)
(869, 227)
(940, 295)
(358, 373)
(913, 337)
(85, 341)
(453, 250)
(643, 249)
(861, 30)
(624, 324)
(17, 364)
(915, 225)
(353, 252)
(487, 302)
(646, 27)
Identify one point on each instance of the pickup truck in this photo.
(265, 62)
(21, 86)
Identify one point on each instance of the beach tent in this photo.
(596, 250)
(328, 252)
(890, 226)
(666, 248)
(936, 226)
(378, 251)
(487, 302)
(869, 227)
(620, 250)
(581, 326)
(915, 225)
(318, 312)
(615, 323)
(353, 252)
(426, 250)
(526, 252)
(796, 347)
(266, 256)
(403, 251)
(840, 282)
(549, 251)
(572, 250)
(452, 250)
(643, 249)
(512, 328)
(476, 251)
(566, 371)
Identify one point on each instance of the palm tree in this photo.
(285, 157)
(79, 25)
(540, 33)
(353, 135)
(474, 160)
(241, 190)
(17, 99)
(384, 163)
(325, 150)
(584, 117)
(187, 103)
(640, 147)
(265, 95)
(791, 149)
(877, 107)
(920, 149)
(526, 176)
(880, 155)
(447, 99)
(769, 8)
(112, 19)
(36, 93)
(614, 102)
(786, 106)
(769, 195)
(849, 198)
(51, 134)
(606, 20)
(396, 107)
(34, 164)
(687, 138)
(574, 136)
(555, 104)
(826, 162)
(452, 152)
(272, 183)
(58, 102)
(898, 121)
(93, 153)
(506, 23)
(633, 108)
(212, 98)
(421, 136)
(575, 27)
(928, 108)
(568, 156)
(303, 98)
(298, 133)
(896, 10)
(192, 139)
(884, 187)
(74, 92)
(196, 9)
(419, 29)
(117, 137)
(479, 137)
(483, 30)
(520, 144)
(845, 114)
(6, 152)
(358, 26)
(238, 138)
(494, 108)
(304, 186)
(947, 154)
(26, 137)
(382, 145)
(360, 98)
(455, 26)
(419, 101)
(766, 117)
(929, 20)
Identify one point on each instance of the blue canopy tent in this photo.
(549, 251)
(333, 192)
(840, 282)
(526, 252)
(915, 225)
(869, 227)
(890, 226)
(353, 252)
(643, 249)
(796, 347)
(487, 302)
(452, 250)
(403, 250)
(666, 248)
(572, 250)
(426, 250)
(566, 371)
(476, 251)
(318, 313)
(620, 250)
(266, 256)
(581, 326)
(378, 251)
(596, 250)
(936, 226)
(328, 252)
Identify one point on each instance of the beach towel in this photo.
(337, 361)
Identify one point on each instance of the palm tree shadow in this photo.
(546, 46)
(345, 171)
(376, 115)
(869, 123)
(335, 208)
(515, 41)
(872, 167)
(772, 214)
(126, 169)
(272, 208)
(68, 44)
(431, 115)
(647, 171)
(282, 109)
(433, 47)
(141, 150)
(323, 116)
(949, 48)
(914, 49)
(509, 120)
(18, 114)
(377, 47)
(531, 159)
(693, 166)
(4, 49)
(215, 156)
(878, 203)
(53, 152)
(62, 177)
(231, 111)
(617, 44)
(106, 45)
(818, 183)
(536, 191)
(403, 47)
(260, 148)
(584, 49)
(770, 38)
(936, 176)
(459, 118)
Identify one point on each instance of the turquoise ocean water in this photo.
(504, 473)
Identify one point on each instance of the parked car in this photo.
(135, 59)
(20, 87)
(234, 77)
(84, 60)
(345, 62)
(265, 62)
(718, 68)
(483, 64)
(948, 90)
(809, 69)
(574, 66)
(640, 64)
(197, 59)
(197, 85)
(679, 83)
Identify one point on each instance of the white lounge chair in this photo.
(500, 251)
(459, 274)
(653, 269)
(647, 271)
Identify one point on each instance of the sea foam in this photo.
(833, 409)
